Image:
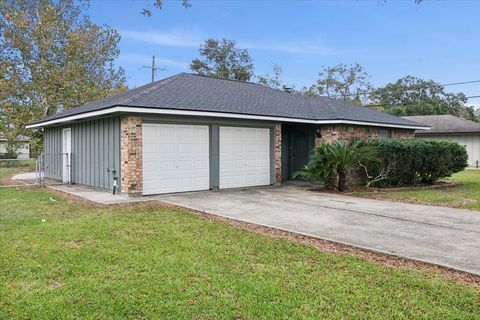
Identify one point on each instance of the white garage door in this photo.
(175, 158)
(244, 157)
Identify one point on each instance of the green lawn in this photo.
(466, 195)
(7, 171)
(69, 260)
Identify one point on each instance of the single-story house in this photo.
(191, 132)
(22, 150)
(465, 132)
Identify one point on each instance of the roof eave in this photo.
(147, 110)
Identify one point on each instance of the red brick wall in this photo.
(278, 153)
(402, 134)
(349, 132)
(131, 155)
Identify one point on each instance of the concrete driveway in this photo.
(444, 236)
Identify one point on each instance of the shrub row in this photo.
(410, 162)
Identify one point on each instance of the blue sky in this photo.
(434, 40)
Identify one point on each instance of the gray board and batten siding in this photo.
(95, 148)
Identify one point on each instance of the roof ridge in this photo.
(213, 77)
(149, 88)
(239, 81)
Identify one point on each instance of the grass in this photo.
(71, 260)
(466, 195)
(18, 166)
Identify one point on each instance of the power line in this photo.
(404, 104)
(441, 85)
(458, 83)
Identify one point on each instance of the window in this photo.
(384, 133)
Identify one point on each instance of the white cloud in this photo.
(294, 47)
(182, 39)
(146, 60)
(169, 39)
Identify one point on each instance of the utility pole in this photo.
(154, 69)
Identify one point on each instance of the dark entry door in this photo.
(298, 142)
(300, 150)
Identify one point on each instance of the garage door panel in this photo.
(250, 134)
(200, 148)
(244, 157)
(166, 147)
(166, 131)
(149, 131)
(200, 164)
(175, 158)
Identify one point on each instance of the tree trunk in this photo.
(342, 179)
(332, 180)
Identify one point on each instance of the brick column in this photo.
(278, 153)
(131, 155)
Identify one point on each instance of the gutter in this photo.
(124, 109)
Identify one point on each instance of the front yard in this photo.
(11, 168)
(466, 195)
(66, 260)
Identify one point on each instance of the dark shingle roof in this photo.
(445, 124)
(200, 93)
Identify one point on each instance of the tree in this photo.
(272, 81)
(223, 59)
(51, 59)
(346, 82)
(158, 4)
(410, 96)
(337, 158)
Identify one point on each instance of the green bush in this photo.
(410, 162)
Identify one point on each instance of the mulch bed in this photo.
(437, 185)
(320, 244)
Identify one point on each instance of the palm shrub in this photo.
(337, 158)
(320, 165)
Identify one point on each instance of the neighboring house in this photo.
(22, 148)
(465, 132)
(191, 132)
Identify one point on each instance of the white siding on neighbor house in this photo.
(471, 143)
(23, 150)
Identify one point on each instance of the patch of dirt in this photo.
(55, 284)
(468, 201)
(8, 181)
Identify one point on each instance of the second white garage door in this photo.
(175, 158)
(244, 157)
